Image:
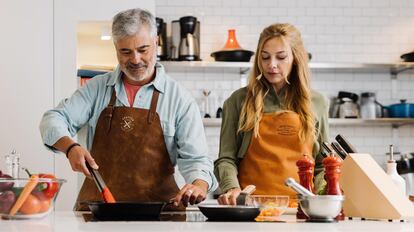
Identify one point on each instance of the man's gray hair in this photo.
(129, 22)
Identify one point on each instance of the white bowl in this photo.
(325, 207)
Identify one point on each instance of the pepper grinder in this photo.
(306, 168)
(392, 172)
(332, 173)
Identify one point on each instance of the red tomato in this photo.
(44, 205)
(31, 205)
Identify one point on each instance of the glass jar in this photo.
(368, 105)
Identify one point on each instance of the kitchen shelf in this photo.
(393, 68)
(394, 122)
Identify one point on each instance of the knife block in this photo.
(369, 191)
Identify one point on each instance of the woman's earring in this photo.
(259, 77)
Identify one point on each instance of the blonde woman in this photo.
(268, 125)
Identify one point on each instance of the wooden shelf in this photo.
(395, 122)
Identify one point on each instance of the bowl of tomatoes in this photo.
(26, 198)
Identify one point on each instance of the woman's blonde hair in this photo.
(298, 96)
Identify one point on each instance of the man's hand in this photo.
(77, 157)
(229, 198)
(192, 193)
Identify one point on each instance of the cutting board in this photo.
(369, 191)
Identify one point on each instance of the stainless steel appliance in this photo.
(345, 105)
(162, 39)
(185, 39)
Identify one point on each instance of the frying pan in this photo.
(229, 212)
(126, 211)
(238, 55)
(111, 210)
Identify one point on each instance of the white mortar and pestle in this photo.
(319, 208)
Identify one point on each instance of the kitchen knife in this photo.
(328, 149)
(106, 194)
(339, 150)
(345, 144)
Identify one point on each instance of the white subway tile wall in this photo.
(364, 31)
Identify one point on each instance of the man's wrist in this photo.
(70, 148)
(201, 184)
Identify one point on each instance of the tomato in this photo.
(44, 205)
(31, 205)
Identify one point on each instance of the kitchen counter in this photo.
(75, 221)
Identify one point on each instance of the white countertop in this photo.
(73, 221)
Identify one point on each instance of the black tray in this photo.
(126, 211)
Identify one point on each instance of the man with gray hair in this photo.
(140, 123)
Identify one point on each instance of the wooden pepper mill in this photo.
(332, 173)
(306, 168)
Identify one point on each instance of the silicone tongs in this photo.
(106, 194)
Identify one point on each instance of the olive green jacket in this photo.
(233, 145)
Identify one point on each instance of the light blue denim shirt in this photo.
(179, 114)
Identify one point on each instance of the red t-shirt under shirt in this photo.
(131, 90)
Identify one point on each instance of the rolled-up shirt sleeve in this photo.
(67, 118)
(192, 159)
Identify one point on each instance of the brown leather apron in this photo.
(133, 160)
(271, 158)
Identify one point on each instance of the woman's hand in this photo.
(229, 198)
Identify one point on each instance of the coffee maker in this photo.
(185, 39)
(162, 39)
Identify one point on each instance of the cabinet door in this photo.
(26, 89)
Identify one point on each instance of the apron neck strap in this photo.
(152, 111)
(153, 108)
(113, 98)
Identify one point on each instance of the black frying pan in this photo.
(111, 210)
(239, 55)
(126, 211)
(229, 213)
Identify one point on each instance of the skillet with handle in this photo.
(111, 210)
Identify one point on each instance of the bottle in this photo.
(306, 168)
(368, 105)
(392, 172)
(13, 164)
